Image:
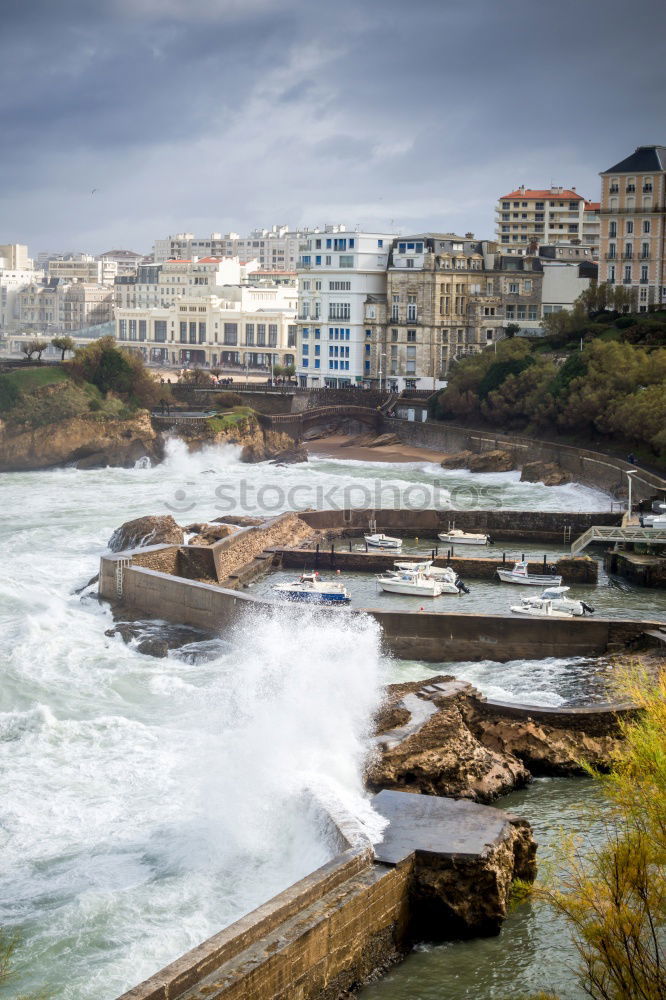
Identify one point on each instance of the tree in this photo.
(115, 370)
(511, 329)
(64, 344)
(289, 370)
(31, 347)
(614, 897)
(278, 370)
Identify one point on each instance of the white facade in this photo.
(274, 249)
(11, 283)
(527, 217)
(80, 268)
(244, 329)
(158, 286)
(562, 284)
(337, 270)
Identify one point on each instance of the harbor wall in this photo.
(590, 468)
(430, 636)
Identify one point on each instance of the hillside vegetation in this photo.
(591, 377)
(102, 381)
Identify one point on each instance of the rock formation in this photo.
(436, 737)
(548, 473)
(91, 443)
(158, 529)
(497, 460)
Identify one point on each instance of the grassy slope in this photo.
(27, 379)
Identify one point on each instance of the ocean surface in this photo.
(146, 803)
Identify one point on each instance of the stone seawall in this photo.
(587, 467)
(430, 636)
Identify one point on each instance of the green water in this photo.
(534, 951)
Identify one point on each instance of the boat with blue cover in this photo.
(311, 589)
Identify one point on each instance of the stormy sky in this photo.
(127, 120)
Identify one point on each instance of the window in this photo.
(380, 243)
(394, 335)
(249, 335)
(611, 274)
(521, 312)
(193, 333)
(612, 230)
(202, 333)
(132, 329)
(489, 334)
(646, 225)
(183, 333)
(628, 249)
(122, 329)
(411, 336)
(346, 260)
(410, 262)
(532, 312)
(513, 288)
(644, 272)
(306, 348)
(528, 285)
(291, 336)
(629, 227)
(611, 251)
(489, 310)
(142, 329)
(272, 334)
(411, 307)
(627, 274)
(339, 286)
(510, 312)
(231, 333)
(368, 333)
(339, 310)
(261, 334)
(645, 250)
(160, 331)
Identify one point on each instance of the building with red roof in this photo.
(529, 217)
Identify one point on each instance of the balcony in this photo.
(627, 256)
(644, 281)
(647, 189)
(626, 281)
(659, 210)
(630, 189)
(613, 189)
(611, 256)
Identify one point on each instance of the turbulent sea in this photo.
(146, 803)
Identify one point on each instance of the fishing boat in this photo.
(381, 541)
(520, 574)
(553, 603)
(455, 536)
(311, 589)
(406, 582)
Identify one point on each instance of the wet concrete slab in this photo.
(434, 825)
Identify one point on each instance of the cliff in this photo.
(259, 444)
(88, 441)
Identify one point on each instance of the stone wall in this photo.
(588, 467)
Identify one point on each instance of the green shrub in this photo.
(624, 322)
(227, 400)
(9, 394)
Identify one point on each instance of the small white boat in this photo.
(381, 541)
(447, 577)
(311, 589)
(414, 567)
(553, 602)
(406, 582)
(455, 536)
(520, 574)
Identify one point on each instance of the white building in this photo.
(527, 217)
(159, 285)
(243, 329)
(337, 271)
(79, 267)
(562, 284)
(275, 249)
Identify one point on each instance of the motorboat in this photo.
(455, 536)
(553, 603)
(520, 574)
(381, 541)
(407, 582)
(311, 589)
(449, 579)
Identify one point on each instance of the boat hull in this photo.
(540, 612)
(304, 598)
(469, 540)
(507, 576)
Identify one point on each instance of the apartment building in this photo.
(86, 304)
(591, 234)
(159, 285)
(527, 217)
(246, 328)
(79, 267)
(56, 306)
(274, 249)
(337, 272)
(14, 257)
(120, 262)
(633, 225)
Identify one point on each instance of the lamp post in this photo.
(381, 355)
(630, 474)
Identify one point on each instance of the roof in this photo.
(642, 160)
(592, 206)
(566, 194)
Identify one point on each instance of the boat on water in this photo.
(381, 541)
(455, 536)
(422, 582)
(407, 582)
(552, 603)
(311, 589)
(520, 574)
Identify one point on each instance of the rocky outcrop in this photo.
(436, 752)
(267, 444)
(460, 460)
(208, 534)
(492, 461)
(548, 473)
(158, 529)
(384, 439)
(290, 456)
(497, 460)
(441, 737)
(87, 441)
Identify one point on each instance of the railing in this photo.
(599, 533)
(633, 211)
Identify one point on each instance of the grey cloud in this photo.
(224, 114)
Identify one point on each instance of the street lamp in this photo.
(630, 473)
(381, 355)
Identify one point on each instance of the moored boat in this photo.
(311, 589)
(455, 536)
(520, 574)
(381, 541)
(553, 602)
(406, 582)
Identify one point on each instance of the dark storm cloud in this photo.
(225, 114)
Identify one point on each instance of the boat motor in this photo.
(587, 607)
(462, 588)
